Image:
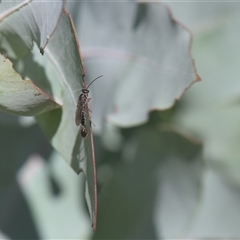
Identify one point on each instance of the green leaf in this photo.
(155, 187)
(36, 20)
(62, 79)
(20, 96)
(64, 60)
(218, 199)
(67, 209)
(212, 109)
(146, 65)
(17, 143)
(137, 77)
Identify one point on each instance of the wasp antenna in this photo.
(93, 81)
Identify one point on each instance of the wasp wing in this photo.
(80, 109)
(78, 114)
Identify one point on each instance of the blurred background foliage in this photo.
(171, 174)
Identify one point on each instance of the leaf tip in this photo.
(198, 78)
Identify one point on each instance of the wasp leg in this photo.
(88, 107)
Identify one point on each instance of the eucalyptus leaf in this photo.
(155, 187)
(137, 77)
(20, 96)
(143, 54)
(36, 20)
(64, 58)
(218, 199)
(212, 110)
(67, 209)
(65, 76)
(17, 143)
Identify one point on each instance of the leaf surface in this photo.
(63, 57)
(62, 71)
(36, 20)
(212, 109)
(20, 96)
(143, 54)
(153, 189)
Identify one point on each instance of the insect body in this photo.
(81, 108)
(81, 112)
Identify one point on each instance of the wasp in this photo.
(81, 112)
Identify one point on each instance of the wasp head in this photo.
(85, 91)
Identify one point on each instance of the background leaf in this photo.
(144, 55)
(145, 67)
(212, 112)
(219, 198)
(20, 96)
(31, 208)
(148, 180)
(50, 210)
(63, 53)
(38, 21)
(62, 49)
(16, 144)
